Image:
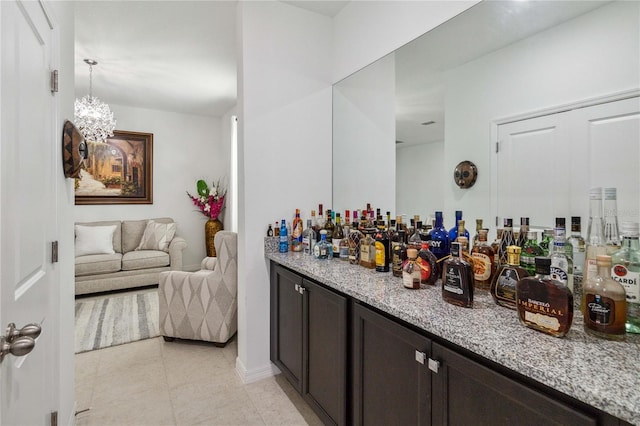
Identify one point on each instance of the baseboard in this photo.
(256, 374)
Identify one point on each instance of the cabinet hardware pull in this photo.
(297, 288)
(420, 357)
(434, 365)
(302, 290)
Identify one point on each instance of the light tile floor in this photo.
(153, 382)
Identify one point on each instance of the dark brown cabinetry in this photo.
(309, 341)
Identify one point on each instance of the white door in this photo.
(28, 278)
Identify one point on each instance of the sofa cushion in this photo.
(143, 259)
(98, 264)
(157, 236)
(132, 231)
(117, 233)
(94, 240)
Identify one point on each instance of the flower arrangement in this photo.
(210, 201)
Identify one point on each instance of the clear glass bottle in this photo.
(284, 237)
(626, 270)
(503, 285)
(478, 228)
(354, 242)
(411, 270)
(604, 303)
(543, 303)
(429, 268)
(454, 232)
(296, 232)
(484, 265)
(578, 245)
(506, 240)
(561, 265)
(595, 242)
(547, 241)
(415, 241)
(344, 245)
(368, 249)
(568, 248)
(308, 238)
(399, 250)
(338, 235)
(323, 248)
(611, 230)
(530, 251)
(439, 238)
(319, 222)
(522, 235)
(457, 279)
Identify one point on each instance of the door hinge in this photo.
(497, 146)
(54, 418)
(496, 220)
(54, 252)
(54, 81)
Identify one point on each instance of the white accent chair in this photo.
(203, 305)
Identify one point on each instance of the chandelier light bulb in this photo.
(93, 118)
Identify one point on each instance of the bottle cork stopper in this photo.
(412, 252)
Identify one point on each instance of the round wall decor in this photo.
(74, 150)
(465, 174)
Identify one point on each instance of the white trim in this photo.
(72, 417)
(257, 374)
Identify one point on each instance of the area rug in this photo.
(115, 320)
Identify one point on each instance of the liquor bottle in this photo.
(506, 240)
(382, 248)
(495, 245)
(611, 230)
(355, 235)
(323, 248)
(314, 226)
(543, 303)
(429, 268)
(595, 242)
(399, 253)
(522, 235)
(568, 248)
(561, 265)
(296, 232)
(457, 279)
(368, 250)
(308, 238)
(547, 241)
(415, 241)
(626, 271)
(276, 229)
(346, 227)
(411, 270)
(484, 265)
(478, 228)
(425, 232)
(284, 240)
(578, 245)
(344, 245)
(270, 231)
(453, 232)
(329, 226)
(439, 238)
(530, 251)
(503, 285)
(604, 303)
(320, 221)
(461, 231)
(338, 235)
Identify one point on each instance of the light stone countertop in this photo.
(601, 373)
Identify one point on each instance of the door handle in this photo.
(19, 342)
(30, 330)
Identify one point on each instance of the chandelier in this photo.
(93, 118)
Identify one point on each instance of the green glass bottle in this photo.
(546, 243)
(530, 250)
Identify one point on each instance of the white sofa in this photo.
(127, 266)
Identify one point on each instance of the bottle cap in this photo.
(514, 249)
(508, 222)
(482, 235)
(323, 232)
(419, 224)
(455, 249)
(603, 260)
(543, 265)
(461, 223)
(524, 221)
(458, 214)
(547, 233)
(412, 253)
(561, 222)
(575, 219)
(532, 235)
(595, 193)
(610, 193)
(630, 229)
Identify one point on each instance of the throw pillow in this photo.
(157, 236)
(94, 240)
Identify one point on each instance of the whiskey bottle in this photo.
(411, 270)
(344, 245)
(270, 231)
(439, 238)
(323, 248)
(308, 238)
(506, 240)
(296, 232)
(543, 303)
(284, 237)
(454, 232)
(578, 245)
(626, 271)
(495, 245)
(530, 251)
(329, 226)
(478, 228)
(503, 285)
(429, 267)
(611, 230)
(338, 235)
(561, 265)
(382, 248)
(604, 303)
(368, 250)
(276, 229)
(484, 266)
(457, 279)
(355, 235)
(595, 242)
(522, 235)
(399, 253)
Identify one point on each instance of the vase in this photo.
(211, 228)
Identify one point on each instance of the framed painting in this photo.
(118, 171)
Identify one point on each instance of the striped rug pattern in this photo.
(115, 320)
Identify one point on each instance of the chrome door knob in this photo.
(30, 330)
(20, 346)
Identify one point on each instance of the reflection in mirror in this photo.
(409, 118)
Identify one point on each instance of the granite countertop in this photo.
(564, 364)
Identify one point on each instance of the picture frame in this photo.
(118, 171)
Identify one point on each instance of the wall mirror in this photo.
(402, 123)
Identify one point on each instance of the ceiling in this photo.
(175, 56)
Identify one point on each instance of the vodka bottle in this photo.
(611, 230)
(595, 242)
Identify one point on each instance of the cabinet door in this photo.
(325, 352)
(468, 393)
(391, 380)
(286, 324)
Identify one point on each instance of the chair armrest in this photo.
(177, 245)
(209, 263)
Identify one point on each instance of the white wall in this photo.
(365, 31)
(284, 113)
(420, 171)
(185, 148)
(364, 138)
(593, 55)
